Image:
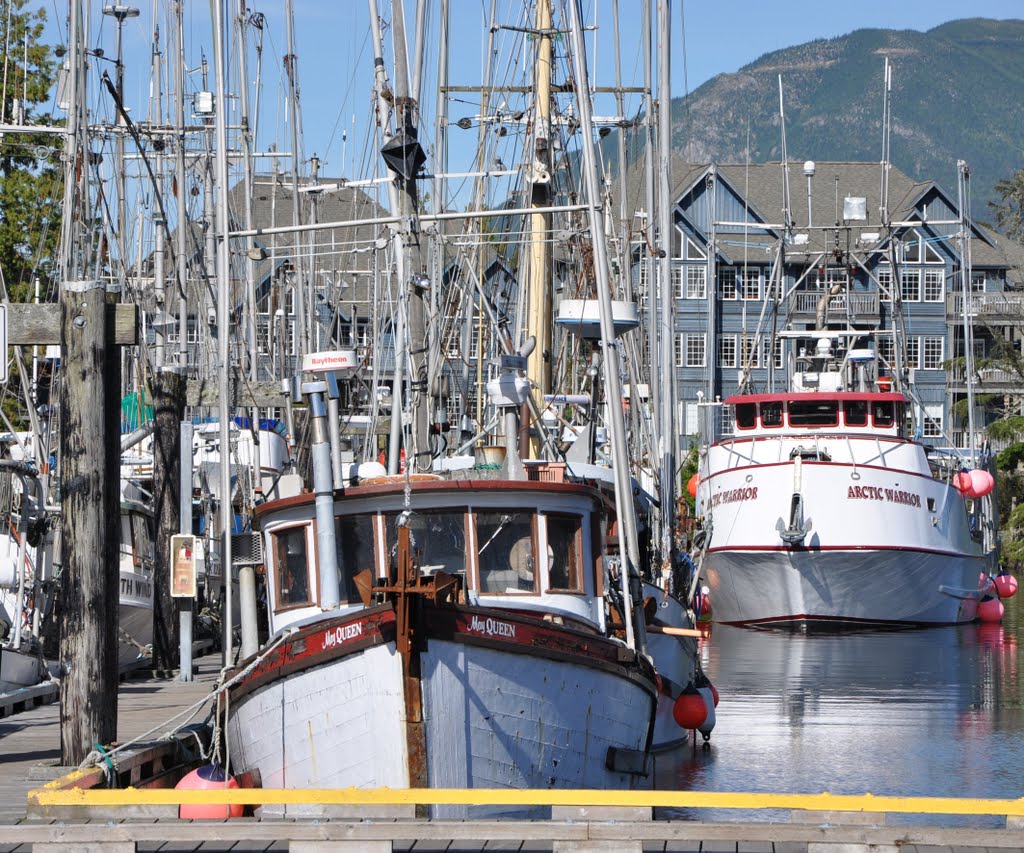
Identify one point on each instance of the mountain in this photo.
(956, 96)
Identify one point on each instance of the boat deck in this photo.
(29, 757)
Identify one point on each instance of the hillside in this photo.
(956, 95)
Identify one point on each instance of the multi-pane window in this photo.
(694, 252)
(677, 282)
(750, 352)
(642, 279)
(770, 357)
(886, 353)
(695, 349)
(751, 284)
(727, 283)
(884, 276)
(977, 282)
(932, 426)
(726, 350)
(913, 352)
(911, 285)
(696, 282)
(679, 350)
(934, 282)
(931, 353)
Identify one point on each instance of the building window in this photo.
(679, 350)
(694, 252)
(913, 352)
(884, 276)
(726, 350)
(977, 282)
(932, 426)
(677, 281)
(768, 355)
(695, 350)
(642, 277)
(934, 285)
(931, 355)
(978, 347)
(751, 287)
(696, 282)
(911, 285)
(727, 284)
(750, 352)
(886, 353)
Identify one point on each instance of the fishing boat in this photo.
(821, 510)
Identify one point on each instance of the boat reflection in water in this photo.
(933, 712)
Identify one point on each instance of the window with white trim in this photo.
(677, 281)
(932, 426)
(750, 353)
(694, 252)
(931, 352)
(913, 352)
(977, 282)
(679, 349)
(696, 282)
(886, 353)
(727, 283)
(910, 281)
(934, 285)
(695, 350)
(751, 284)
(884, 276)
(726, 350)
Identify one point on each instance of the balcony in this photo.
(855, 307)
(995, 305)
(988, 379)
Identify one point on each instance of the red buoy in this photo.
(689, 710)
(691, 486)
(981, 483)
(1006, 585)
(990, 610)
(714, 693)
(209, 777)
(962, 483)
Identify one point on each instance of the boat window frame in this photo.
(477, 566)
(893, 419)
(782, 414)
(580, 586)
(867, 413)
(817, 424)
(372, 516)
(736, 416)
(385, 559)
(276, 537)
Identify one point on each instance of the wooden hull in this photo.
(504, 701)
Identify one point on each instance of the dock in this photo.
(29, 759)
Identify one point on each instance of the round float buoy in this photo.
(714, 693)
(689, 710)
(990, 610)
(981, 483)
(692, 484)
(209, 777)
(1006, 585)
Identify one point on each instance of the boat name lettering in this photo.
(342, 634)
(872, 493)
(745, 494)
(136, 587)
(492, 627)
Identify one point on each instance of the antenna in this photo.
(785, 163)
(883, 192)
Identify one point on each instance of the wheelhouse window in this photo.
(883, 413)
(438, 539)
(812, 413)
(354, 535)
(746, 415)
(771, 415)
(291, 568)
(564, 540)
(506, 551)
(855, 413)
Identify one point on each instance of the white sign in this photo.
(321, 362)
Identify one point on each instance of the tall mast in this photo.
(963, 201)
(223, 319)
(666, 297)
(247, 179)
(291, 70)
(538, 310)
(626, 512)
(647, 259)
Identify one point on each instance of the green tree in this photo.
(30, 177)
(1008, 211)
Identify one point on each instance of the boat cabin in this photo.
(525, 546)
(796, 413)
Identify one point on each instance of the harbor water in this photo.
(929, 712)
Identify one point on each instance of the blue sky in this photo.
(335, 59)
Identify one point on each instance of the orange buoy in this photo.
(1006, 585)
(689, 710)
(691, 486)
(209, 777)
(990, 610)
(981, 483)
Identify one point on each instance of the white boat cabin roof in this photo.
(799, 413)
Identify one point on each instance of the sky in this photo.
(335, 58)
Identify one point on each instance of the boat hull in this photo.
(506, 702)
(804, 588)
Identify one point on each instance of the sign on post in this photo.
(183, 566)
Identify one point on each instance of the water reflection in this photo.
(935, 712)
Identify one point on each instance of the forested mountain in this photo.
(958, 93)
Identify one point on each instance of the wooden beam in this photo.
(39, 325)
